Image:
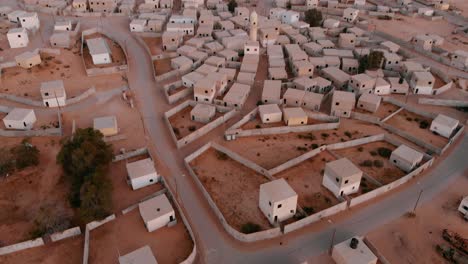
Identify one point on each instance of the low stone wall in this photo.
(171, 74)
(177, 96)
(95, 224)
(5, 109)
(392, 114)
(90, 226)
(72, 232)
(376, 251)
(356, 142)
(250, 116)
(247, 163)
(105, 71)
(366, 118)
(410, 108)
(295, 161)
(285, 130)
(461, 130)
(415, 140)
(134, 206)
(322, 117)
(86, 247)
(442, 89)
(315, 217)
(31, 133)
(443, 102)
(441, 73)
(21, 246)
(21, 100)
(131, 154)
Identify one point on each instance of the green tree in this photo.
(25, 155)
(232, 5)
(371, 61)
(96, 197)
(313, 17)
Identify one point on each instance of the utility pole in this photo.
(417, 201)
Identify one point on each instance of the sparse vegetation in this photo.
(232, 5)
(309, 210)
(313, 17)
(176, 131)
(258, 126)
(221, 155)
(250, 227)
(308, 136)
(19, 157)
(384, 152)
(314, 146)
(348, 134)
(423, 124)
(360, 149)
(192, 128)
(378, 163)
(325, 135)
(373, 153)
(366, 163)
(301, 148)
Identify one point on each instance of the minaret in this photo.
(253, 26)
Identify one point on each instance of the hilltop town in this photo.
(233, 131)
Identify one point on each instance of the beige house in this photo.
(203, 113)
(221, 81)
(17, 38)
(271, 93)
(181, 63)
(206, 69)
(423, 41)
(293, 97)
(303, 68)
(157, 212)
(267, 36)
(189, 80)
(230, 73)
(353, 251)
(229, 55)
(312, 101)
(422, 83)
(107, 125)
(304, 83)
(143, 255)
(390, 46)
(342, 177)
(369, 102)
(410, 67)
(347, 40)
(337, 77)
(246, 78)
(349, 66)
(141, 173)
(204, 90)
(406, 158)
(444, 125)
(342, 103)
(53, 93)
(216, 61)
(459, 58)
(312, 49)
(392, 61)
(277, 73)
(382, 87)
(361, 84)
(171, 40)
(350, 14)
(28, 59)
(398, 85)
(237, 95)
(322, 85)
(270, 113)
(294, 116)
(21, 119)
(277, 201)
(252, 47)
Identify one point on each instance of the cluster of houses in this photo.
(18, 24)
(104, 6)
(65, 34)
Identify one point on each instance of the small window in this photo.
(337, 180)
(280, 205)
(269, 203)
(337, 103)
(346, 182)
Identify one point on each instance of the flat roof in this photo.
(278, 190)
(104, 122)
(362, 254)
(143, 255)
(54, 88)
(97, 46)
(311, 97)
(294, 112)
(370, 98)
(344, 96)
(445, 121)
(18, 114)
(269, 109)
(203, 110)
(155, 207)
(343, 168)
(336, 73)
(362, 78)
(140, 168)
(407, 153)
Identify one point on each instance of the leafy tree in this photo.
(288, 5)
(371, 61)
(85, 160)
(232, 5)
(25, 155)
(250, 227)
(313, 17)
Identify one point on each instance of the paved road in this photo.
(215, 245)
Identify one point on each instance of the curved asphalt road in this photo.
(214, 244)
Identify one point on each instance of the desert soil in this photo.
(233, 187)
(384, 110)
(154, 45)
(184, 124)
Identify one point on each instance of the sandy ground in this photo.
(162, 66)
(413, 240)
(153, 44)
(68, 251)
(23, 193)
(128, 233)
(67, 66)
(257, 123)
(271, 151)
(117, 54)
(184, 124)
(399, 28)
(233, 187)
(409, 122)
(386, 174)
(306, 180)
(384, 110)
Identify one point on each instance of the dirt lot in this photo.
(68, 251)
(67, 66)
(154, 45)
(117, 53)
(128, 233)
(384, 110)
(306, 180)
(23, 193)
(183, 123)
(233, 187)
(271, 151)
(257, 123)
(413, 240)
(409, 122)
(162, 66)
(368, 152)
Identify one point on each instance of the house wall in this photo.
(159, 222)
(104, 58)
(144, 181)
(21, 246)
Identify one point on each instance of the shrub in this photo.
(192, 128)
(249, 228)
(232, 5)
(366, 163)
(258, 126)
(423, 124)
(288, 5)
(373, 153)
(176, 131)
(378, 163)
(384, 152)
(259, 102)
(314, 146)
(385, 17)
(221, 155)
(309, 210)
(348, 134)
(324, 135)
(313, 17)
(301, 148)
(409, 119)
(360, 149)
(25, 155)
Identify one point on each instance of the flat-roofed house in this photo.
(80, 5)
(267, 36)
(241, 11)
(247, 78)
(221, 80)
(203, 113)
(349, 65)
(322, 85)
(213, 47)
(171, 40)
(342, 103)
(350, 14)
(304, 83)
(237, 95)
(181, 63)
(463, 207)
(295, 53)
(216, 61)
(230, 73)
(53, 93)
(29, 20)
(293, 97)
(62, 40)
(312, 49)
(369, 102)
(275, 51)
(252, 47)
(312, 101)
(331, 23)
(390, 46)
(347, 41)
(459, 58)
(422, 83)
(189, 79)
(303, 68)
(294, 116)
(382, 87)
(342, 177)
(423, 41)
(228, 54)
(289, 17)
(99, 50)
(337, 77)
(406, 158)
(204, 90)
(361, 84)
(17, 38)
(107, 125)
(398, 85)
(270, 113)
(392, 61)
(21, 119)
(142, 255)
(156, 212)
(206, 69)
(186, 29)
(271, 93)
(444, 125)
(410, 67)
(277, 200)
(141, 173)
(28, 59)
(353, 251)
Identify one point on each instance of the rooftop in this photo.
(18, 114)
(155, 207)
(278, 190)
(140, 168)
(343, 168)
(143, 255)
(97, 46)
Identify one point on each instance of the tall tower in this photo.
(253, 25)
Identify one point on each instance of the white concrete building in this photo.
(138, 25)
(406, 158)
(29, 20)
(463, 207)
(142, 173)
(189, 80)
(99, 50)
(277, 201)
(369, 102)
(289, 17)
(444, 125)
(271, 92)
(361, 84)
(459, 58)
(353, 251)
(382, 87)
(204, 90)
(53, 93)
(157, 212)
(203, 113)
(18, 38)
(350, 14)
(252, 47)
(143, 255)
(107, 125)
(21, 119)
(422, 83)
(342, 177)
(270, 113)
